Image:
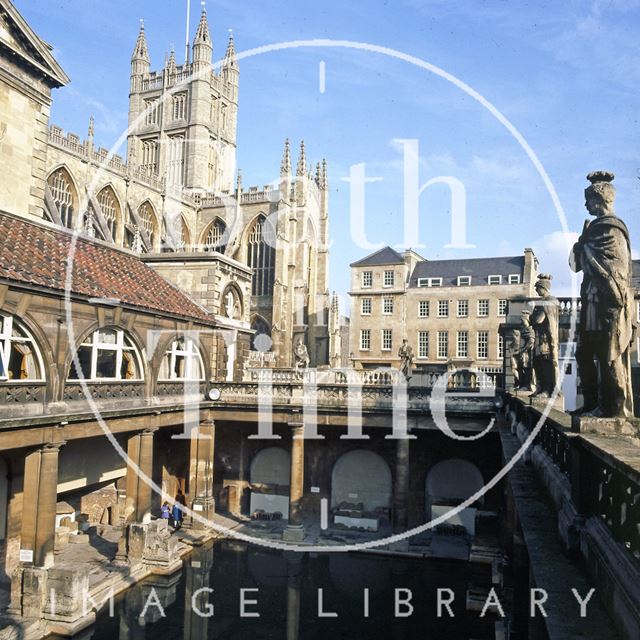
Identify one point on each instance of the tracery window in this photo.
(262, 257)
(182, 361)
(147, 220)
(183, 234)
(179, 106)
(175, 165)
(107, 354)
(20, 358)
(215, 240)
(150, 156)
(63, 193)
(110, 209)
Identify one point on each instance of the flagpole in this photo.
(186, 46)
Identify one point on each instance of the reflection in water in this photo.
(281, 598)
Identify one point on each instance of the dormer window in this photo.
(464, 281)
(494, 279)
(514, 278)
(429, 282)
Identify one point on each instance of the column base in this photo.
(293, 533)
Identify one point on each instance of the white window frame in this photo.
(464, 281)
(500, 346)
(440, 343)
(7, 338)
(423, 344)
(420, 308)
(384, 334)
(458, 313)
(485, 334)
(494, 279)
(429, 282)
(514, 278)
(483, 315)
(364, 332)
(384, 303)
(369, 278)
(502, 307)
(459, 352)
(440, 314)
(362, 305)
(191, 355)
(392, 278)
(119, 346)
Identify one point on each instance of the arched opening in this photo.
(215, 238)
(361, 481)
(450, 483)
(261, 256)
(20, 357)
(182, 361)
(107, 354)
(64, 195)
(269, 477)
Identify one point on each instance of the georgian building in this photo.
(448, 310)
(179, 195)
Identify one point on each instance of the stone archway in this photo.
(269, 478)
(449, 483)
(361, 476)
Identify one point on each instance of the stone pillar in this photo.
(201, 472)
(401, 486)
(295, 527)
(37, 536)
(294, 584)
(197, 594)
(140, 452)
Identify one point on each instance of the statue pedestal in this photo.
(540, 402)
(606, 426)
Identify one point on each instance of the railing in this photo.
(105, 391)
(602, 485)
(569, 306)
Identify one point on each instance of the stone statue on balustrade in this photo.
(544, 320)
(606, 328)
(405, 354)
(523, 355)
(301, 354)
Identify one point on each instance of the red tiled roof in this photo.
(37, 255)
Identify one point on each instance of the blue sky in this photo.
(565, 74)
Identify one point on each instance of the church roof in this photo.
(22, 43)
(37, 255)
(478, 268)
(384, 256)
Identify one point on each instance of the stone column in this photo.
(201, 472)
(39, 505)
(294, 583)
(198, 600)
(140, 452)
(295, 527)
(401, 486)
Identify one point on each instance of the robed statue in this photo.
(603, 254)
(301, 354)
(523, 355)
(405, 354)
(544, 320)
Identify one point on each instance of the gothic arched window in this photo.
(64, 195)
(215, 239)
(183, 238)
(110, 209)
(261, 256)
(148, 221)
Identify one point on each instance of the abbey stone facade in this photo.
(178, 201)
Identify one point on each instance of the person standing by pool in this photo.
(177, 511)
